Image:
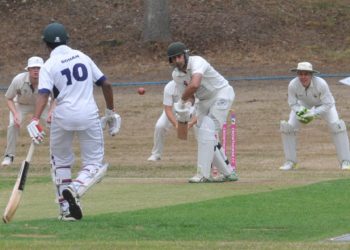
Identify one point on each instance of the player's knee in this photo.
(206, 131)
(337, 127)
(286, 128)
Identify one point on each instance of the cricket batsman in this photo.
(196, 78)
(70, 75)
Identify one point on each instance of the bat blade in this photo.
(182, 130)
(16, 194)
(17, 191)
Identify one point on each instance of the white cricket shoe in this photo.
(216, 178)
(8, 159)
(198, 179)
(153, 158)
(345, 165)
(288, 165)
(74, 208)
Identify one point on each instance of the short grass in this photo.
(298, 218)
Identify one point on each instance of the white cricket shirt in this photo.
(211, 82)
(70, 75)
(171, 94)
(316, 95)
(20, 90)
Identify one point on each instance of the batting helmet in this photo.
(55, 33)
(175, 49)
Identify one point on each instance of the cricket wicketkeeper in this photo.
(309, 97)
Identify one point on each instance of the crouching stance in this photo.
(70, 75)
(309, 97)
(196, 78)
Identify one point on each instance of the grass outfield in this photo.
(293, 218)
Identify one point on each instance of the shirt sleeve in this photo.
(97, 75)
(199, 65)
(292, 97)
(168, 95)
(45, 81)
(326, 97)
(12, 89)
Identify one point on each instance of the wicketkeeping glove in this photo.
(36, 131)
(305, 115)
(113, 120)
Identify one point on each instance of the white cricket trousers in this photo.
(161, 128)
(217, 107)
(90, 141)
(62, 155)
(211, 115)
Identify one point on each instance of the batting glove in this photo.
(113, 121)
(35, 131)
(183, 115)
(183, 111)
(114, 124)
(179, 106)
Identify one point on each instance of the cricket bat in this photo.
(182, 130)
(17, 191)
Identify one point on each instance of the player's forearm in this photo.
(11, 105)
(192, 87)
(108, 95)
(189, 93)
(170, 115)
(41, 103)
(324, 108)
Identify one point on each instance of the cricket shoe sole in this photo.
(74, 208)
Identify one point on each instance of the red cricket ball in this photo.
(141, 91)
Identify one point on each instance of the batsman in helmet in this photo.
(196, 78)
(70, 76)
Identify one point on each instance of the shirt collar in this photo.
(62, 49)
(26, 79)
(311, 85)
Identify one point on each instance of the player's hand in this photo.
(302, 111)
(108, 117)
(183, 111)
(114, 124)
(183, 116)
(179, 106)
(16, 120)
(49, 117)
(310, 113)
(305, 115)
(113, 120)
(35, 131)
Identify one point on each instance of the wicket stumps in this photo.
(225, 142)
(233, 138)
